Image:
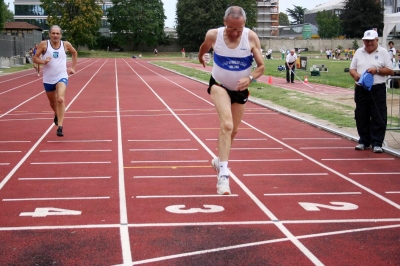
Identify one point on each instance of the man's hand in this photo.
(71, 70)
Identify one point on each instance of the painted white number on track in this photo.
(181, 209)
(43, 212)
(341, 206)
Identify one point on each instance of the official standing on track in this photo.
(371, 110)
(290, 66)
(55, 72)
(234, 47)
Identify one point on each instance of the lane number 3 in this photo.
(180, 209)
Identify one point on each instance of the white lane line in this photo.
(184, 196)
(392, 192)
(325, 148)
(64, 178)
(15, 141)
(173, 176)
(377, 173)
(67, 198)
(312, 139)
(78, 141)
(304, 174)
(10, 151)
(48, 163)
(75, 150)
(256, 149)
(123, 229)
(313, 193)
(163, 149)
(359, 159)
(268, 160)
(189, 161)
(238, 139)
(4, 164)
(159, 140)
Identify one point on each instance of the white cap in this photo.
(370, 35)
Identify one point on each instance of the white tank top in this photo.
(56, 69)
(231, 64)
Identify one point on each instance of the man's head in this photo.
(370, 40)
(234, 20)
(55, 33)
(292, 52)
(391, 44)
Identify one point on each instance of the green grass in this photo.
(15, 68)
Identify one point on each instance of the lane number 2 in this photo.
(50, 211)
(340, 206)
(180, 209)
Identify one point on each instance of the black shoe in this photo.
(56, 120)
(59, 132)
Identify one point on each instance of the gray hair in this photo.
(54, 26)
(235, 12)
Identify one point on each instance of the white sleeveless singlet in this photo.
(56, 69)
(231, 64)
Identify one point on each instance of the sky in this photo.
(170, 7)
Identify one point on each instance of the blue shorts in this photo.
(52, 87)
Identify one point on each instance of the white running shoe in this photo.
(223, 185)
(38, 74)
(215, 164)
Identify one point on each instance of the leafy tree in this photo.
(328, 24)
(137, 22)
(80, 20)
(361, 15)
(5, 14)
(297, 14)
(283, 19)
(196, 17)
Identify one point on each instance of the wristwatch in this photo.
(252, 79)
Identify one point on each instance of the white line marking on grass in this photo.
(67, 198)
(313, 193)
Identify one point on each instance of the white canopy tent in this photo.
(390, 20)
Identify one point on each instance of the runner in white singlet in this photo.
(234, 48)
(55, 72)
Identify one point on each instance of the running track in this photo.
(131, 182)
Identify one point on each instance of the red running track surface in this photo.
(131, 182)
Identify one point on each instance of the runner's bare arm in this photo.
(208, 43)
(74, 54)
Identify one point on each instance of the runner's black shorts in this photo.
(236, 96)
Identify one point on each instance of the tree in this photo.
(328, 24)
(283, 19)
(79, 20)
(196, 17)
(361, 15)
(136, 22)
(297, 14)
(5, 14)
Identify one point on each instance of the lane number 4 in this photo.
(50, 211)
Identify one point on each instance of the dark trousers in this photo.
(371, 114)
(291, 73)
